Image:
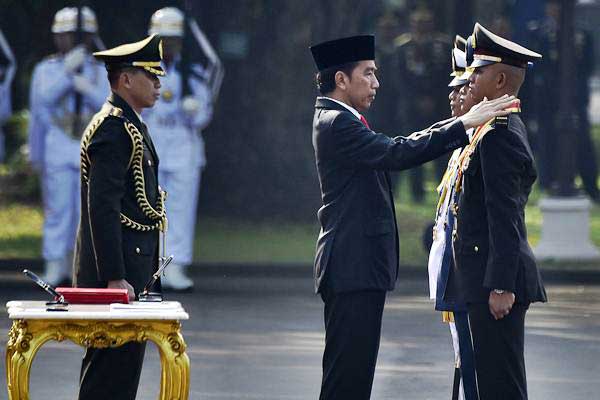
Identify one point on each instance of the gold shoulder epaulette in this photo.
(501, 122)
(116, 112)
(52, 57)
(403, 39)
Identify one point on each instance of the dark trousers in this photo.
(499, 352)
(112, 373)
(352, 331)
(467, 360)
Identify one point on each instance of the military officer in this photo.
(495, 272)
(440, 256)
(7, 73)
(55, 131)
(421, 72)
(547, 93)
(358, 213)
(122, 206)
(184, 109)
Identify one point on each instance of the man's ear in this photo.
(341, 80)
(125, 80)
(501, 80)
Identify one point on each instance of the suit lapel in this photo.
(149, 142)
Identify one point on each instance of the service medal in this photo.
(167, 95)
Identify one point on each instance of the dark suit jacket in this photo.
(106, 249)
(490, 246)
(357, 248)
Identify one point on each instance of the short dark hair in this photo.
(115, 72)
(325, 79)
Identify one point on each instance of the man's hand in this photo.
(75, 58)
(486, 110)
(122, 284)
(500, 304)
(82, 84)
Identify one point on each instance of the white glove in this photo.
(75, 58)
(190, 105)
(82, 84)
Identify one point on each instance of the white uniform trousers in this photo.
(182, 187)
(62, 205)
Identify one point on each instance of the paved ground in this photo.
(261, 337)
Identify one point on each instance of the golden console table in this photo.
(98, 326)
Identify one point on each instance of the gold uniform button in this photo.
(137, 250)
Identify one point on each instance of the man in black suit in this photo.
(357, 250)
(495, 271)
(122, 207)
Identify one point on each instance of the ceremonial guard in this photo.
(184, 109)
(123, 208)
(66, 89)
(358, 213)
(7, 73)
(441, 259)
(495, 272)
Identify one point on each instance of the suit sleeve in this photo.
(109, 155)
(501, 165)
(356, 146)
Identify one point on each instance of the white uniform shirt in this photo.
(52, 106)
(176, 135)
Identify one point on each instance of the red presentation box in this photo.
(93, 295)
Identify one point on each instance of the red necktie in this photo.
(364, 121)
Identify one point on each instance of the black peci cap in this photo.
(342, 51)
(145, 54)
(489, 48)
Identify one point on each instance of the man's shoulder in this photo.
(506, 134)
(334, 118)
(108, 125)
(512, 124)
(50, 62)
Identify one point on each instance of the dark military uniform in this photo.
(491, 251)
(420, 79)
(122, 212)
(122, 208)
(545, 92)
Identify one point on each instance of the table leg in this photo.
(21, 349)
(26, 337)
(175, 364)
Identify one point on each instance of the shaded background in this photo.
(260, 157)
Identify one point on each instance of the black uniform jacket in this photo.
(490, 245)
(106, 249)
(357, 248)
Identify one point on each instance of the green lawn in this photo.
(223, 240)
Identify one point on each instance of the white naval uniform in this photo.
(7, 73)
(180, 147)
(55, 149)
(438, 247)
(5, 112)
